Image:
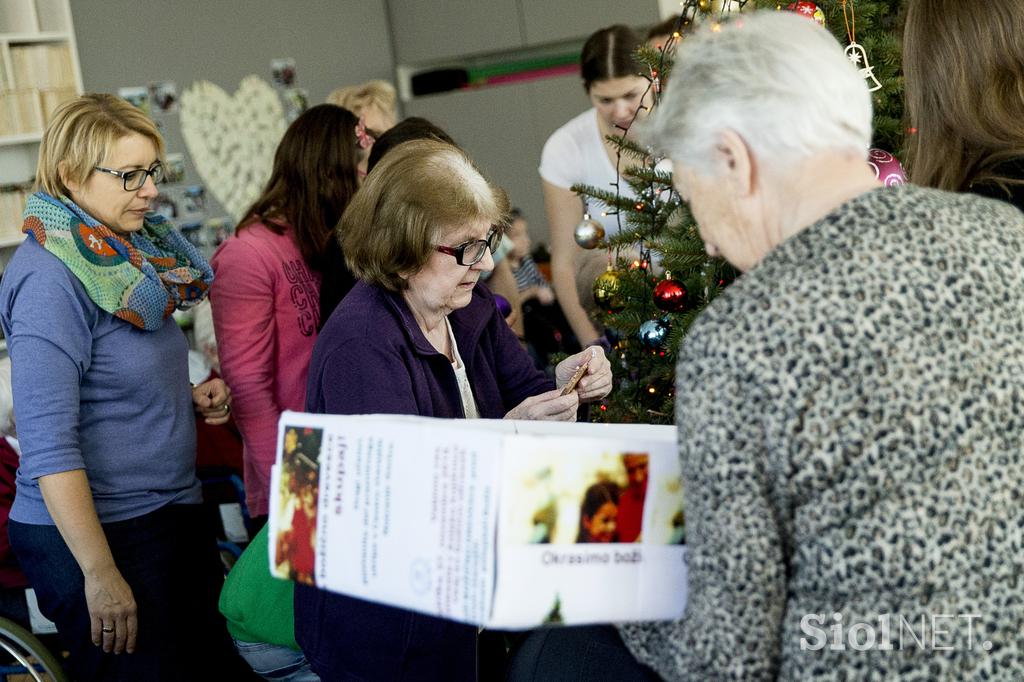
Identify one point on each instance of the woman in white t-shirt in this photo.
(579, 153)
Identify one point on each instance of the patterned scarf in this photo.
(141, 278)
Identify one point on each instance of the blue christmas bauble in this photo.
(652, 333)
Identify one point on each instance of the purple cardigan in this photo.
(371, 357)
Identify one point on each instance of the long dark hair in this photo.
(609, 54)
(964, 83)
(313, 179)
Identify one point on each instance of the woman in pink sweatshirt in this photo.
(279, 277)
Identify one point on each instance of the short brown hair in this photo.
(81, 134)
(416, 192)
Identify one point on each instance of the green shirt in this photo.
(258, 607)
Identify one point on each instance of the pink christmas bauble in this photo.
(887, 168)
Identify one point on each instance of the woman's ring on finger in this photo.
(106, 629)
(226, 408)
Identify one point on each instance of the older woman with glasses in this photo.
(107, 522)
(850, 410)
(420, 335)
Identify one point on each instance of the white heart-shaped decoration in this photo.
(232, 139)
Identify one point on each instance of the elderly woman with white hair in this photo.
(850, 410)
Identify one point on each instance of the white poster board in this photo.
(497, 523)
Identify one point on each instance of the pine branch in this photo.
(629, 147)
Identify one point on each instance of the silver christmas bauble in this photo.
(589, 232)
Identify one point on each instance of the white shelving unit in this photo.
(39, 68)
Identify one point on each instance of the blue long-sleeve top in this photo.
(93, 392)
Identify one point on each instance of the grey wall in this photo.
(504, 129)
(334, 43)
(132, 42)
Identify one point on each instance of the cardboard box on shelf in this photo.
(51, 98)
(8, 122)
(18, 16)
(42, 66)
(12, 205)
(20, 112)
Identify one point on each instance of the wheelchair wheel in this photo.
(31, 655)
(229, 554)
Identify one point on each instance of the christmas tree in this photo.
(659, 277)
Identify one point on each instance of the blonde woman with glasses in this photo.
(107, 522)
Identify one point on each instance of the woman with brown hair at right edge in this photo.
(964, 70)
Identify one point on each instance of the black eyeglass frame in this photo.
(459, 252)
(151, 172)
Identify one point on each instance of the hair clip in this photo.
(364, 138)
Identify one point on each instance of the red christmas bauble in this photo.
(808, 9)
(670, 295)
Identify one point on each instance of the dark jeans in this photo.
(560, 654)
(14, 606)
(350, 639)
(170, 561)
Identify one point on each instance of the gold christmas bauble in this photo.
(606, 291)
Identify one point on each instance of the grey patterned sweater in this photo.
(851, 417)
